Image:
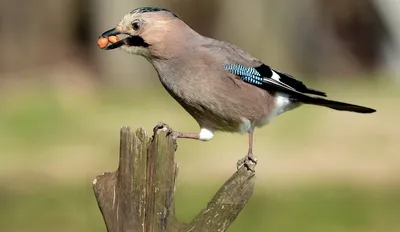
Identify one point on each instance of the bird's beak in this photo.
(129, 40)
(112, 32)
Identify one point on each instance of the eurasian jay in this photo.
(221, 86)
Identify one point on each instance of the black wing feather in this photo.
(289, 80)
(272, 80)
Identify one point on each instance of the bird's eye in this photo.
(135, 26)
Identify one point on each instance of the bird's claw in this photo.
(171, 133)
(161, 126)
(249, 161)
(174, 136)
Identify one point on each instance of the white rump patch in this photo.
(282, 104)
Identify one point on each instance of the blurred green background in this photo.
(63, 100)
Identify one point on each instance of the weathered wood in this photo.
(139, 195)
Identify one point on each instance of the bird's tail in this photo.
(337, 105)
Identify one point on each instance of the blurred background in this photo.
(63, 100)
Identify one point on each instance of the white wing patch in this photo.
(275, 76)
(276, 80)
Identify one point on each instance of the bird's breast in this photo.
(211, 106)
(214, 98)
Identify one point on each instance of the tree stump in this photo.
(139, 195)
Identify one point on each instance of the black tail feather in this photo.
(315, 92)
(336, 105)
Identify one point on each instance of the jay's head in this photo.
(151, 32)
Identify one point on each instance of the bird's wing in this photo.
(269, 79)
(251, 70)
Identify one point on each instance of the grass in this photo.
(309, 208)
(319, 170)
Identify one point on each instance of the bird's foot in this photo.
(164, 127)
(161, 126)
(249, 161)
(174, 134)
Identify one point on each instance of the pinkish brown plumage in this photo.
(221, 86)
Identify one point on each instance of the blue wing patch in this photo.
(249, 75)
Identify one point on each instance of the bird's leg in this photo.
(175, 134)
(186, 135)
(204, 135)
(249, 160)
(250, 155)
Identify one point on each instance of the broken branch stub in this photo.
(139, 195)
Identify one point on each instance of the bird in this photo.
(223, 87)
